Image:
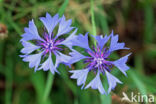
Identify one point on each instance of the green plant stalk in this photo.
(50, 76)
(149, 22)
(93, 18)
(105, 99)
(139, 84)
(9, 79)
(62, 9)
(93, 21)
(48, 86)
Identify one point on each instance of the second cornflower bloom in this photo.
(98, 61)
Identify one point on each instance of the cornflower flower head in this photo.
(40, 48)
(98, 61)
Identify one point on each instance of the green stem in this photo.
(48, 86)
(104, 99)
(149, 22)
(50, 76)
(93, 18)
(93, 22)
(9, 78)
(62, 9)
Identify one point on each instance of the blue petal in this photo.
(64, 26)
(28, 47)
(48, 64)
(102, 41)
(68, 41)
(50, 22)
(112, 81)
(76, 56)
(31, 32)
(121, 64)
(96, 84)
(81, 41)
(80, 75)
(114, 45)
(34, 60)
(62, 58)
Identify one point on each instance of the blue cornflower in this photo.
(98, 61)
(40, 48)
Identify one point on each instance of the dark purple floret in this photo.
(98, 60)
(49, 43)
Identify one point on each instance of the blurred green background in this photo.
(133, 20)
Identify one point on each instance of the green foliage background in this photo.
(133, 20)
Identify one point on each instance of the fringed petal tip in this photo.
(34, 60)
(121, 64)
(62, 58)
(31, 32)
(68, 41)
(76, 56)
(28, 47)
(81, 41)
(80, 75)
(48, 65)
(96, 84)
(115, 45)
(50, 22)
(64, 26)
(112, 81)
(101, 41)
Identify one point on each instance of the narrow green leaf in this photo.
(13, 24)
(149, 22)
(38, 83)
(50, 76)
(139, 63)
(138, 82)
(62, 9)
(93, 18)
(9, 80)
(65, 77)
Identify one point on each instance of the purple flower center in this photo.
(98, 60)
(49, 44)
